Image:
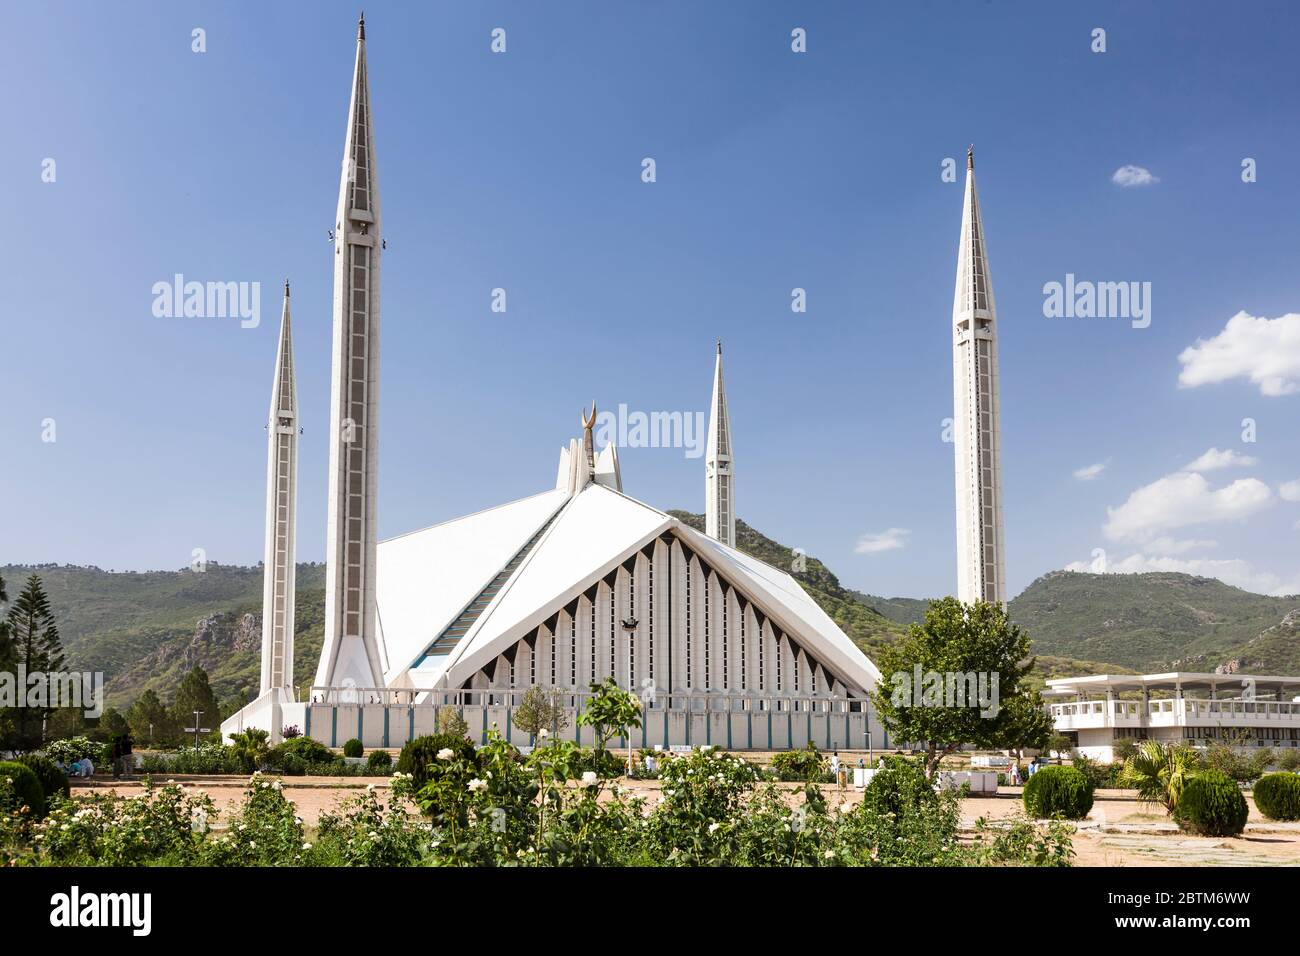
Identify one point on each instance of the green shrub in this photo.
(1058, 792)
(1278, 796)
(75, 748)
(1102, 776)
(54, 782)
(1212, 805)
(26, 788)
(305, 749)
(419, 753)
(806, 764)
(1290, 760)
(291, 765)
(353, 748)
(379, 761)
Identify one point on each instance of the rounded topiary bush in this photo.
(54, 782)
(1212, 805)
(420, 753)
(305, 749)
(353, 748)
(379, 760)
(1278, 796)
(1058, 792)
(24, 788)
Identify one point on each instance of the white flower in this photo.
(476, 785)
(589, 778)
(306, 846)
(445, 753)
(829, 854)
(713, 827)
(277, 785)
(543, 733)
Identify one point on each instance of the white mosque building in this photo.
(565, 588)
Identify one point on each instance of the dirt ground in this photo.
(1119, 831)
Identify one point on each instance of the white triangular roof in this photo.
(426, 578)
(592, 536)
(785, 601)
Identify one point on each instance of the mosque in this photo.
(579, 582)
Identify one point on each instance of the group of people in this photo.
(1014, 777)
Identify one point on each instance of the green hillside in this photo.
(145, 629)
(1158, 621)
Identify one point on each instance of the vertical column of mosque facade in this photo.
(351, 651)
(981, 562)
(719, 479)
(281, 516)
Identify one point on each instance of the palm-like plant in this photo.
(1159, 773)
(250, 747)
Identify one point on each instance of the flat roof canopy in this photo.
(1186, 680)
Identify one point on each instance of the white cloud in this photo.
(1130, 175)
(874, 542)
(1234, 571)
(1089, 472)
(1166, 545)
(1289, 490)
(1182, 499)
(1264, 351)
(1214, 459)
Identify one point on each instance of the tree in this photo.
(449, 721)
(150, 721)
(1060, 744)
(113, 724)
(195, 694)
(34, 637)
(958, 652)
(611, 712)
(1024, 725)
(541, 710)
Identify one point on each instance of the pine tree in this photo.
(151, 723)
(34, 638)
(195, 694)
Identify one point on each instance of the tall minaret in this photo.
(281, 518)
(351, 654)
(977, 435)
(719, 481)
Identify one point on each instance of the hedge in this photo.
(1278, 796)
(1212, 805)
(1058, 792)
(27, 790)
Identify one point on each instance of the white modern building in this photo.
(977, 433)
(1200, 710)
(568, 587)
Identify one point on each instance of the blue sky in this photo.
(775, 170)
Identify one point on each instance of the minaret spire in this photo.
(719, 480)
(352, 653)
(977, 435)
(281, 519)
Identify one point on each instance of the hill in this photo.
(144, 629)
(1159, 621)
